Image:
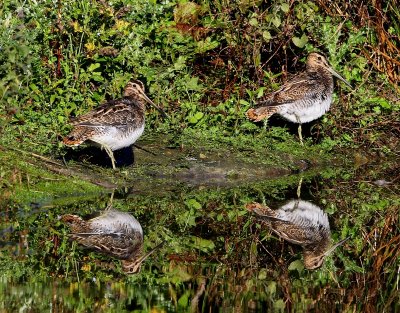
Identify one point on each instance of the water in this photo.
(216, 256)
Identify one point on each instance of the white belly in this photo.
(113, 221)
(306, 110)
(303, 213)
(116, 138)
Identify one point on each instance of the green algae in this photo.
(192, 156)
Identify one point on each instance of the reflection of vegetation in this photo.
(216, 252)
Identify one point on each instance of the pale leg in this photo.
(300, 136)
(111, 155)
(299, 131)
(299, 188)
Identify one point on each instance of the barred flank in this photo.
(261, 113)
(77, 136)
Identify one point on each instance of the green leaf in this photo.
(203, 244)
(300, 42)
(188, 218)
(271, 287)
(94, 66)
(205, 45)
(285, 7)
(97, 78)
(232, 215)
(193, 204)
(180, 63)
(192, 84)
(199, 115)
(296, 265)
(260, 92)
(262, 274)
(52, 98)
(266, 35)
(253, 22)
(279, 305)
(184, 300)
(384, 103)
(96, 96)
(347, 137)
(276, 21)
(193, 119)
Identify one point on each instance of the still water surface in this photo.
(216, 255)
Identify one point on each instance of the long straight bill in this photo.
(154, 105)
(144, 257)
(334, 73)
(336, 245)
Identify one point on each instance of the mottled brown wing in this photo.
(282, 228)
(302, 85)
(116, 245)
(291, 232)
(298, 87)
(112, 113)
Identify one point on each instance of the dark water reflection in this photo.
(302, 223)
(217, 256)
(114, 233)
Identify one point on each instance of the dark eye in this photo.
(319, 58)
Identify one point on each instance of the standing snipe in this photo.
(115, 124)
(303, 99)
(303, 223)
(114, 233)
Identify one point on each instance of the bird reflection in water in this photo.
(114, 233)
(303, 223)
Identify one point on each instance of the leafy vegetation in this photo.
(214, 248)
(205, 63)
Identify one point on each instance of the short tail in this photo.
(263, 212)
(259, 209)
(261, 113)
(69, 218)
(75, 223)
(77, 136)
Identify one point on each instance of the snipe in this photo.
(114, 233)
(115, 124)
(303, 223)
(304, 98)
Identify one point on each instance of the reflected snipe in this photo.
(114, 233)
(300, 222)
(304, 98)
(115, 124)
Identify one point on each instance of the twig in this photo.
(70, 172)
(144, 149)
(195, 301)
(41, 157)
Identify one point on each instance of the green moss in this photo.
(28, 181)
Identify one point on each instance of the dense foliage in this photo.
(204, 62)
